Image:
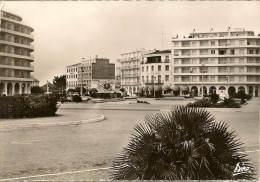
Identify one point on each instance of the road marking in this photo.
(28, 142)
(55, 174)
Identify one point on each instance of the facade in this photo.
(118, 75)
(72, 76)
(35, 83)
(130, 70)
(225, 62)
(15, 55)
(92, 73)
(156, 72)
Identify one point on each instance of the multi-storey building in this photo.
(92, 73)
(130, 69)
(118, 75)
(156, 72)
(224, 62)
(15, 55)
(72, 76)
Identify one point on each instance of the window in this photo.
(232, 51)
(143, 79)
(241, 60)
(251, 51)
(147, 79)
(142, 69)
(152, 68)
(159, 67)
(166, 78)
(167, 67)
(147, 68)
(212, 43)
(212, 51)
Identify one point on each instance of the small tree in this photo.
(184, 144)
(37, 90)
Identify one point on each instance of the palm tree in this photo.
(184, 144)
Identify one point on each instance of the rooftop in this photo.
(73, 65)
(160, 52)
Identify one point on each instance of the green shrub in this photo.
(28, 106)
(76, 98)
(183, 144)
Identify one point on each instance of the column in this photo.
(29, 88)
(20, 88)
(13, 88)
(5, 89)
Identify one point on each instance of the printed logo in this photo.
(240, 169)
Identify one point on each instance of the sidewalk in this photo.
(62, 118)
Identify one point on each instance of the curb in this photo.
(100, 118)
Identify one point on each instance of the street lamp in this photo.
(227, 84)
(202, 90)
(81, 88)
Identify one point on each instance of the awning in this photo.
(158, 88)
(175, 88)
(184, 88)
(167, 88)
(151, 88)
(146, 88)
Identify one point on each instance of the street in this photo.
(35, 151)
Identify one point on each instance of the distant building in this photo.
(130, 70)
(92, 73)
(72, 76)
(156, 72)
(225, 62)
(118, 75)
(15, 55)
(35, 83)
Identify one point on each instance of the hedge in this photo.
(28, 106)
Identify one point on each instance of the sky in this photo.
(67, 31)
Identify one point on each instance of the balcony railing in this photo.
(153, 82)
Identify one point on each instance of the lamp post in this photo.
(227, 84)
(81, 88)
(202, 90)
(47, 87)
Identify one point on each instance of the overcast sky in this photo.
(65, 32)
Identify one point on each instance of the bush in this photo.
(76, 98)
(228, 103)
(214, 98)
(242, 95)
(28, 106)
(200, 103)
(184, 144)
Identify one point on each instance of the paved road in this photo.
(48, 150)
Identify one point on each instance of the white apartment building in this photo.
(225, 62)
(15, 55)
(130, 69)
(156, 72)
(72, 76)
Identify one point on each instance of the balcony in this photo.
(17, 44)
(31, 57)
(16, 78)
(153, 82)
(28, 68)
(130, 67)
(30, 36)
(130, 75)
